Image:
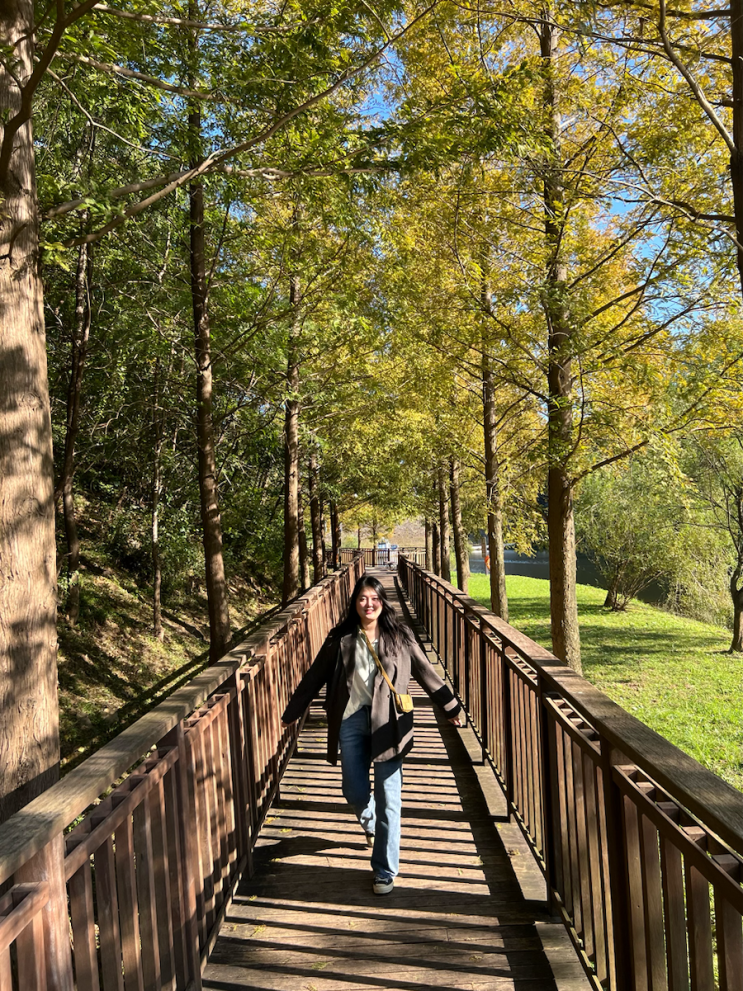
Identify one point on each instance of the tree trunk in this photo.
(436, 549)
(498, 597)
(211, 521)
(322, 540)
(560, 521)
(444, 525)
(29, 738)
(335, 534)
(291, 451)
(358, 538)
(460, 537)
(429, 551)
(315, 518)
(80, 337)
(736, 594)
(304, 564)
(158, 431)
(612, 601)
(29, 742)
(736, 158)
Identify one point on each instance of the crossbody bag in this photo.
(403, 703)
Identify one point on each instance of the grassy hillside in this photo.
(111, 667)
(671, 672)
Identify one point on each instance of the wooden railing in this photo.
(375, 557)
(145, 876)
(640, 845)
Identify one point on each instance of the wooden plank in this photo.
(82, 918)
(31, 956)
(674, 914)
(107, 906)
(699, 923)
(147, 898)
(653, 905)
(6, 974)
(161, 880)
(729, 945)
(126, 882)
(636, 902)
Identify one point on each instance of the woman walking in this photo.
(366, 663)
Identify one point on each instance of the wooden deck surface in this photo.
(457, 918)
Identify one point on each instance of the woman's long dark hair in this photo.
(394, 634)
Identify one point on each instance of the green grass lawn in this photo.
(669, 671)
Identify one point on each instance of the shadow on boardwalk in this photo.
(457, 918)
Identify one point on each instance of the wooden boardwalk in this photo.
(458, 917)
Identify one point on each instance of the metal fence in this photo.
(145, 871)
(640, 845)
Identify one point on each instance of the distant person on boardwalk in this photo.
(370, 720)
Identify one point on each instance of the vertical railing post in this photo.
(549, 792)
(616, 850)
(482, 663)
(48, 865)
(188, 840)
(239, 767)
(508, 743)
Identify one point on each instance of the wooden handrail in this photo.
(704, 793)
(165, 848)
(632, 834)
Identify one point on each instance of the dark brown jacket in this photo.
(392, 731)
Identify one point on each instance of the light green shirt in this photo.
(364, 673)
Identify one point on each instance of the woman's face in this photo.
(368, 605)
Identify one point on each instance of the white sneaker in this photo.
(382, 884)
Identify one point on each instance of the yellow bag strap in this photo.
(373, 653)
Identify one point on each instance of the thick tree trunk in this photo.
(736, 158)
(80, 337)
(429, 550)
(211, 521)
(435, 549)
(29, 738)
(444, 525)
(560, 520)
(498, 597)
(291, 451)
(157, 485)
(460, 536)
(304, 563)
(315, 518)
(29, 729)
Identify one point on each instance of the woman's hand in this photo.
(285, 725)
(455, 721)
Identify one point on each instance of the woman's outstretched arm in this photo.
(317, 676)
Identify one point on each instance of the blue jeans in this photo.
(378, 813)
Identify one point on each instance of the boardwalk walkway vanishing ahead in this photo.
(121, 876)
(457, 918)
